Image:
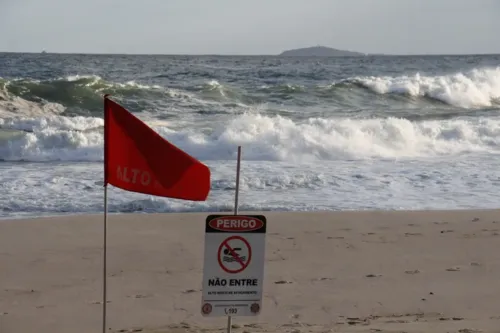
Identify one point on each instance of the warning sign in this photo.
(233, 270)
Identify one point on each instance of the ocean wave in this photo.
(286, 88)
(149, 205)
(283, 181)
(477, 88)
(263, 138)
(214, 90)
(54, 138)
(78, 93)
(282, 139)
(82, 95)
(11, 106)
(223, 94)
(85, 181)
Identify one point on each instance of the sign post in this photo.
(233, 269)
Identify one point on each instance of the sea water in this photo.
(353, 133)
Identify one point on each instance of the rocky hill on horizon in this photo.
(319, 51)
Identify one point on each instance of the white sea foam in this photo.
(95, 79)
(11, 105)
(37, 189)
(476, 88)
(266, 138)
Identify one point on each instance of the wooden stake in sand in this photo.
(236, 194)
(238, 163)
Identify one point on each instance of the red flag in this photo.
(138, 159)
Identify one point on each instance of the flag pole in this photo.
(236, 196)
(105, 221)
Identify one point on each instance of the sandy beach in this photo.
(428, 271)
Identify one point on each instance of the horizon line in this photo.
(359, 55)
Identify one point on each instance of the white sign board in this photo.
(233, 271)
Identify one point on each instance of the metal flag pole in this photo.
(236, 195)
(104, 275)
(105, 222)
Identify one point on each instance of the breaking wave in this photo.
(150, 205)
(263, 138)
(474, 89)
(79, 94)
(82, 94)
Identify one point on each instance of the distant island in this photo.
(319, 51)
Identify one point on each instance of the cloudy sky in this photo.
(250, 26)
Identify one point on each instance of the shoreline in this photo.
(347, 271)
(262, 212)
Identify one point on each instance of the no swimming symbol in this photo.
(234, 254)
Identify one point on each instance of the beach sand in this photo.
(428, 271)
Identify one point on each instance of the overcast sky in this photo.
(250, 26)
